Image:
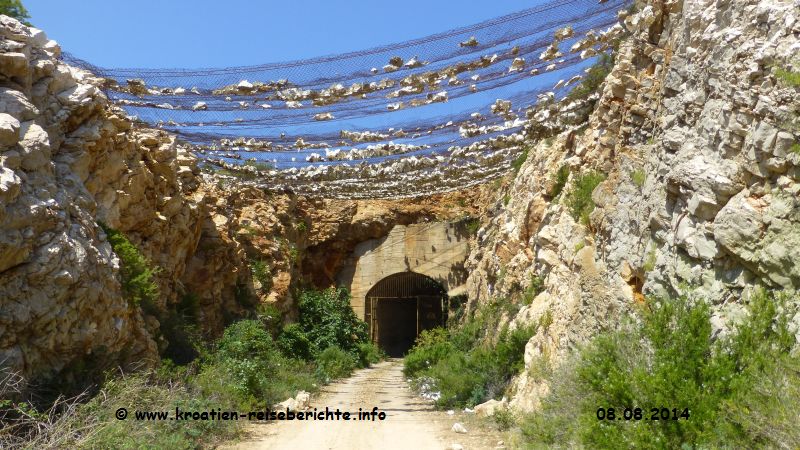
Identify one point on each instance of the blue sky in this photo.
(205, 33)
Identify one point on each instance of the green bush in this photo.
(247, 357)
(294, 342)
(431, 347)
(334, 363)
(270, 316)
(739, 389)
(559, 181)
(504, 418)
(138, 286)
(328, 320)
(579, 201)
(535, 287)
(593, 79)
(638, 177)
(263, 274)
(369, 353)
(519, 161)
(789, 77)
(472, 225)
(463, 369)
(93, 425)
(15, 9)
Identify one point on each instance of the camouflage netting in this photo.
(422, 116)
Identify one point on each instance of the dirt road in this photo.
(410, 422)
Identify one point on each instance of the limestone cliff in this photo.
(692, 131)
(68, 161)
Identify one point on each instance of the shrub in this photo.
(795, 148)
(464, 370)
(294, 254)
(334, 363)
(93, 424)
(248, 369)
(301, 227)
(327, 320)
(650, 261)
(638, 177)
(471, 225)
(579, 200)
(263, 274)
(789, 77)
(369, 353)
(535, 287)
(519, 161)
(15, 9)
(245, 371)
(732, 387)
(431, 347)
(270, 316)
(294, 342)
(559, 181)
(593, 79)
(504, 418)
(138, 286)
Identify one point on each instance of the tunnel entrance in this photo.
(401, 306)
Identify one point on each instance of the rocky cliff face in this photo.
(693, 131)
(68, 161)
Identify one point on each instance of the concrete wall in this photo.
(435, 249)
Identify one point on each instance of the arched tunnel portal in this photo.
(399, 307)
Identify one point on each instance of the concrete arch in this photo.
(436, 249)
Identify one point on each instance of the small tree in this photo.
(15, 9)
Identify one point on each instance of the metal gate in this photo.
(428, 296)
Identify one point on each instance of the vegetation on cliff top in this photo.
(15, 9)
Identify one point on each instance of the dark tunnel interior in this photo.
(401, 306)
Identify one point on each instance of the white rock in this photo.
(9, 185)
(35, 145)
(302, 400)
(459, 428)
(15, 103)
(79, 94)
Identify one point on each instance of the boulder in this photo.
(489, 408)
(9, 130)
(35, 145)
(16, 104)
